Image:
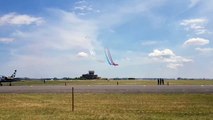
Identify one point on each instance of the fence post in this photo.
(73, 99)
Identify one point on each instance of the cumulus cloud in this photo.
(70, 38)
(82, 54)
(196, 42)
(196, 26)
(168, 56)
(162, 54)
(17, 19)
(6, 40)
(70, 33)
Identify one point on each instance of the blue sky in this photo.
(66, 38)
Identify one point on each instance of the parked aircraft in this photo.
(8, 79)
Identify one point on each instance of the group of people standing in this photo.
(160, 81)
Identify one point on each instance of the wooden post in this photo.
(65, 84)
(117, 82)
(73, 99)
(163, 81)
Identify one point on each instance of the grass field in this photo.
(111, 82)
(106, 107)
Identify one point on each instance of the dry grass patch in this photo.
(106, 106)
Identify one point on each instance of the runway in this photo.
(109, 89)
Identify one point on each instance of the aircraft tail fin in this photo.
(14, 74)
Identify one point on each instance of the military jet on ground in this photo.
(8, 79)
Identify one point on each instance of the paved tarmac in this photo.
(109, 89)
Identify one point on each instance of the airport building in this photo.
(90, 75)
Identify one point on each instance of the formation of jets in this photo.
(109, 58)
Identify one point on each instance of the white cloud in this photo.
(81, 1)
(161, 54)
(17, 19)
(205, 50)
(196, 26)
(176, 59)
(174, 66)
(51, 44)
(70, 33)
(6, 40)
(194, 21)
(196, 42)
(168, 56)
(83, 8)
(82, 54)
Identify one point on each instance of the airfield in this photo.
(109, 89)
(102, 99)
(109, 86)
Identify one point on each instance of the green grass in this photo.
(106, 107)
(112, 82)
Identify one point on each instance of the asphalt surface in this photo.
(109, 89)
